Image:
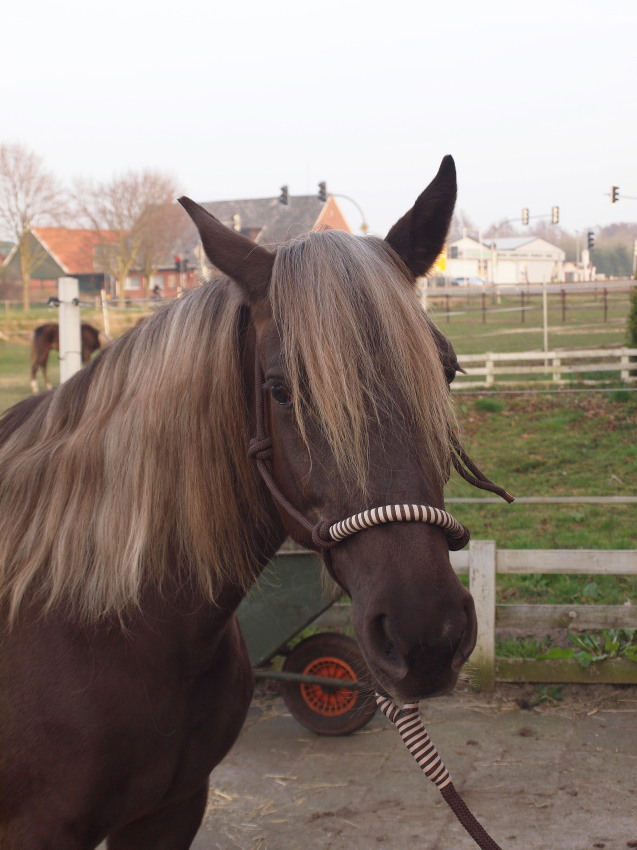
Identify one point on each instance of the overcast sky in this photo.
(536, 101)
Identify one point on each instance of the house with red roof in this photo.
(72, 252)
(60, 252)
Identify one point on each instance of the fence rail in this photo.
(553, 365)
(483, 562)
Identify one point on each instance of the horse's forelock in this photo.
(344, 305)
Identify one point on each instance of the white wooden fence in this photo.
(553, 365)
(483, 562)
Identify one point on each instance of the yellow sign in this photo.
(441, 263)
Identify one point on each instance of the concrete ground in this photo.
(558, 776)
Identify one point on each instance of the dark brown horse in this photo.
(46, 338)
(132, 522)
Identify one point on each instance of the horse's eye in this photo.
(281, 395)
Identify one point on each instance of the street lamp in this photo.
(364, 226)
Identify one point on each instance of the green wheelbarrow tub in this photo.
(324, 681)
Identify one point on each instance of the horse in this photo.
(47, 337)
(141, 499)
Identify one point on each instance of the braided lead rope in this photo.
(415, 737)
(457, 534)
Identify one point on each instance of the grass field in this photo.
(580, 444)
(584, 324)
(16, 328)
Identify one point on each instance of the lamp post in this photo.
(364, 226)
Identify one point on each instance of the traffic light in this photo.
(284, 197)
(177, 264)
(614, 194)
(555, 215)
(590, 240)
(525, 216)
(181, 265)
(322, 193)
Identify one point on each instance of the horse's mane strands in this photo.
(124, 475)
(341, 301)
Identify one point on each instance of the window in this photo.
(134, 282)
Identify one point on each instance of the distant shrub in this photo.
(631, 325)
(631, 322)
(620, 396)
(489, 405)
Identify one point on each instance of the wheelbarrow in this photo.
(323, 680)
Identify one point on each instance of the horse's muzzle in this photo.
(413, 663)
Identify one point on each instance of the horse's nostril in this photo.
(389, 651)
(385, 643)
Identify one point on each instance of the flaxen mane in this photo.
(137, 467)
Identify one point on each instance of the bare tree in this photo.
(29, 196)
(121, 210)
(501, 228)
(162, 227)
(461, 225)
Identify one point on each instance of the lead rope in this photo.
(412, 731)
(326, 534)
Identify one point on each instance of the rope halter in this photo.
(457, 534)
(327, 534)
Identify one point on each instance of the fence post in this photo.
(70, 333)
(105, 316)
(557, 374)
(488, 378)
(482, 572)
(623, 362)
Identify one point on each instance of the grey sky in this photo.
(536, 102)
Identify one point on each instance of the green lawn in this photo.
(553, 445)
(16, 328)
(584, 325)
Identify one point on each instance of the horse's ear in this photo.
(248, 264)
(419, 236)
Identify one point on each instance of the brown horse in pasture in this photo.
(46, 338)
(141, 499)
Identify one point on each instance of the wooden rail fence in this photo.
(555, 365)
(483, 562)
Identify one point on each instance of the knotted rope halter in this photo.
(326, 534)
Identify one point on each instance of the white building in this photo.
(511, 259)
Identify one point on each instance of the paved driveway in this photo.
(558, 777)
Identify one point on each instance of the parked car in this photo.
(468, 281)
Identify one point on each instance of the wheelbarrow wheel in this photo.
(329, 710)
